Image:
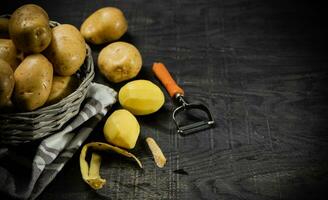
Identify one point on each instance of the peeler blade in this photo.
(196, 126)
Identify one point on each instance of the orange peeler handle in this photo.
(165, 77)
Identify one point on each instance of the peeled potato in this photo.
(141, 97)
(122, 129)
(119, 61)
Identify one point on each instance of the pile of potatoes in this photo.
(44, 60)
(38, 64)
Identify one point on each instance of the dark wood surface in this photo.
(260, 66)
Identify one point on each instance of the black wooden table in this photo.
(260, 66)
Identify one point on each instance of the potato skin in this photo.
(7, 83)
(119, 61)
(62, 86)
(104, 25)
(29, 28)
(67, 50)
(33, 81)
(4, 28)
(9, 53)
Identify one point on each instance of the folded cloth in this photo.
(26, 170)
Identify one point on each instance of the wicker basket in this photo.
(16, 128)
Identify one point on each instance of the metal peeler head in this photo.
(199, 124)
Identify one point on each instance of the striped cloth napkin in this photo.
(26, 171)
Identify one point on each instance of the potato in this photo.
(29, 28)
(105, 25)
(9, 53)
(4, 27)
(62, 86)
(7, 83)
(141, 97)
(67, 49)
(119, 61)
(33, 81)
(122, 129)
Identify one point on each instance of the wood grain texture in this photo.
(260, 66)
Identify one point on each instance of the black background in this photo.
(261, 68)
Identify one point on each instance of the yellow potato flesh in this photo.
(122, 129)
(141, 97)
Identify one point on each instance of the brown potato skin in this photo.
(62, 86)
(4, 28)
(33, 81)
(7, 83)
(104, 25)
(67, 50)
(29, 28)
(119, 61)
(9, 53)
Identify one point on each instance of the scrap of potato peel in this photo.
(91, 174)
(158, 155)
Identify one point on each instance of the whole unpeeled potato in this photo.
(67, 49)
(9, 53)
(119, 61)
(4, 27)
(62, 86)
(7, 83)
(29, 28)
(33, 81)
(105, 25)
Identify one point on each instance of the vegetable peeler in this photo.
(178, 94)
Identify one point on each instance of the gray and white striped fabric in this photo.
(24, 175)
